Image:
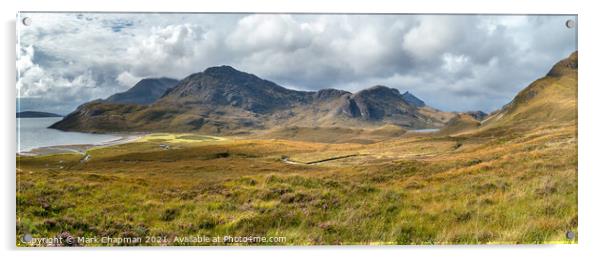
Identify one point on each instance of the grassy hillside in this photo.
(549, 100)
(335, 134)
(408, 191)
(461, 123)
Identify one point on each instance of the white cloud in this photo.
(127, 80)
(432, 36)
(455, 63)
(480, 60)
(270, 32)
(166, 50)
(37, 82)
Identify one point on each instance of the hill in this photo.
(460, 123)
(550, 99)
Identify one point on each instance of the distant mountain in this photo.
(377, 103)
(460, 123)
(437, 118)
(412, 100)
(225, 100)
(477, 115)
(144, 92)
(35, 114)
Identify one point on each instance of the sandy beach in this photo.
(79, 148)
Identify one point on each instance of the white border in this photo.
(589, 123)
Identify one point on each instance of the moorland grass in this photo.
(519, 187)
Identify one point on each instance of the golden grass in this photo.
(517, 188)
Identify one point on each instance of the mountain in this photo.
(226, 86)
(144, 92)
(379, 104)
(477, 115)
(437, 118)
(550, 99)
(376, 103)
(412, 100)
(35, 114)
(223, 100)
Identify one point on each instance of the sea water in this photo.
(34, 133)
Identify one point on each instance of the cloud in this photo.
(270, 32)
(36, 82)
(453, 62)
(432, 36)
(127, 79)
(170, 50)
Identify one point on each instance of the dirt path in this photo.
(288, 161)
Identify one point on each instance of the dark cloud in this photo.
(453, 62)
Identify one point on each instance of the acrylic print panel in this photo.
(197, 129)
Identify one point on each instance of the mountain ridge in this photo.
(146, 91)
(412, 99)
(222, 99)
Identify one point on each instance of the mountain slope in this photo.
(412, 100)
(226, 86)
(548, 102)
(381, 104)
(144, 92)
(550, 99)
(225, 100)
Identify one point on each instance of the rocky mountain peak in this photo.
(565, 66)
(329, 94)
(412, 99)
(379, 91)
(223, 70)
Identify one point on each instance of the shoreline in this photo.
(79, 148)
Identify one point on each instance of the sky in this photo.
(452, 62)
